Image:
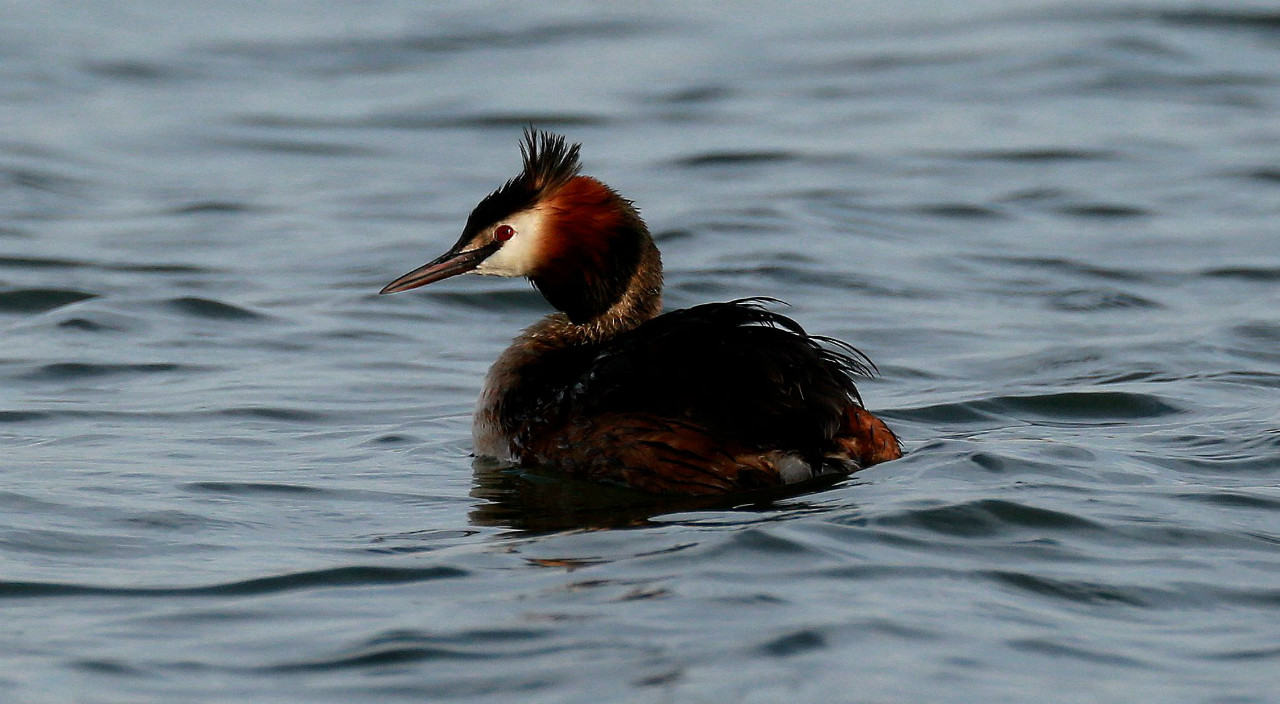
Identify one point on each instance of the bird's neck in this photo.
(640, 301)
(536, 358)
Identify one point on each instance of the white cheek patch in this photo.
(518, 255)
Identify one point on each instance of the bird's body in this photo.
(713, 399)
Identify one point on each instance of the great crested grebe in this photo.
(713, 399)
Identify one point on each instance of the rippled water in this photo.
(232, 472)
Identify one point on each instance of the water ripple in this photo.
(212, 309)
(1037, 156)
(38, 263)
(251, 488)
(62, 371)
(1224, 18)
(1102, 210)
(1086, 407)
(1086, 653)
(988, 517)
(295, 581)
(1262, 274)
(39, 300)
(1234, 499)
(395, 647)
(794, 644)
(1087, 300)
(213, 207)
(234, 472)
(296, 147)
(363, 55)
(740, 158)
(1078, 591)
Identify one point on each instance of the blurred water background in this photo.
(232, 472)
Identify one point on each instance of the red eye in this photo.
(504, 232)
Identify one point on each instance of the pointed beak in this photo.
(451, 263)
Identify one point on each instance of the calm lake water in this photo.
(234, 473)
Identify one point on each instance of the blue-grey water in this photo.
(233, 473)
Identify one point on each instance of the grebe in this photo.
(718, 398)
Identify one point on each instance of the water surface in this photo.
(233, 472)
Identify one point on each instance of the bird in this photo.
(714, 399)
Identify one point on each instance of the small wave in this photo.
(156, 268)
(252, 488)
(14, 502)
(1040, 156)
(168, 520)
(60, 412)
(1079, 591)
(1267, 597)
(56, 263)
(1229, 19)
(1073, 204)
(1059, 650)
(501, 120)
(39, 300)
(294, 581)
(1060, 466)
(273, 413)
(297, 147)
(764, 541)
(949, 414)
(735, 158)
(1251, 446)
(359, 55)
(42, 180)
(1233, 499)
(379, 657)
(1259, 331)
(1069, 267)
(506, 299)
(1258, 339)
(427, 120)
(62, 371)
(39, 263)
(1244, 273)
(137, 71)
(1189, 537)
(211, 309)
(963, 211)
(1266, 175)
(802, 273)
(695, 95)
(106, 666)
(397, 647)
(796, 643)
(1102, 210)
(1088, 300)
(22, 416)
(97, 322)
(1085, 407)
(1245, 654)
(48, 541)
(212, 207)
(987, 517)
(1267, 380)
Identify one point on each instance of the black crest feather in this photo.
(549, 163)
